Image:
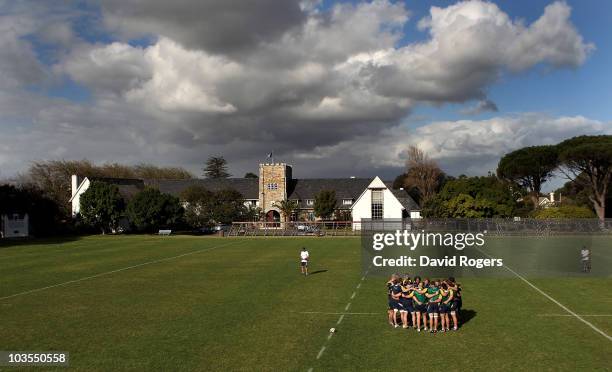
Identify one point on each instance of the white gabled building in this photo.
(378, 201)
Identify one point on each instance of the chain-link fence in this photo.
(493, 226)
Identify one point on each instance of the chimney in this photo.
(75, 183)
(552, 197)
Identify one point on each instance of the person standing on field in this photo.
(585, 258)
(304, 257)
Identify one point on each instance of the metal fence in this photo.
(494, 226)
(297, 228)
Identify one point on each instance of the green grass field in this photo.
(197, 303)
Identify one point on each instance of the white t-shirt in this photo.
(304, 256)
(585, 254)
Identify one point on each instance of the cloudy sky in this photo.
(334, 88)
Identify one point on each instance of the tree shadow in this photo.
(317, 272)
(16, 242)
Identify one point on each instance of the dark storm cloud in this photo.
(219, 26)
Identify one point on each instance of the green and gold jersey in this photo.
(419, 296)
(435, 292)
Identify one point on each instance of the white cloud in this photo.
(463, 146)
(245, 78)
(471, 43)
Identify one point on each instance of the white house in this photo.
(379, 202)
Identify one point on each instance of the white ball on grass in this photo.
(332, 330)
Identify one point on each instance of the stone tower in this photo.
(273, 182)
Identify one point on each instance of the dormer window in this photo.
(347, 201)
(310, 202)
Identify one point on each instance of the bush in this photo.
(566, 211)
(102, 207)
(150, 210)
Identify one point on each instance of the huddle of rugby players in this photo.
(434, 303)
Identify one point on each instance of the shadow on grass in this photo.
(317, 272)
(465, 316)
(16, 242)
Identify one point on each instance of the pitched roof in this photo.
(403, 197)
(128, 187)
(345, 188)
(248, 187)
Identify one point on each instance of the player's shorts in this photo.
(420, 308)
(406, 305)
(453, 306)
(444, 308)
(393, 304)
(304, 263)
(432, 308)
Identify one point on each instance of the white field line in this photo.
(585, 315)
(348, 305)
(340, 319)
(115, 271)
(570, 312)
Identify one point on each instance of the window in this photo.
(309, 201)
(347, 201)
(311, 216)
(272, 186)
(250, 203)
(377, 204)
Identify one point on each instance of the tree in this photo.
(343, 215)
(588, 160)
(574, 193)
(228, 206)
(286, 207)
(250, 175)
(199, 204)
(565, 211)
(216, 167)
(44, 214)
(422, 175)
(150, 171)
(102, 206)
(52, 177)
(472, 197)
(529, 167)
(251, 213)
(325, 204)
(150, 209)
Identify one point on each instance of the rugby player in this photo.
(396, 294)
(445, 301)
(390, 312)
(433, 294)
(406, 302)
(419, 300)
(304, 257)
(455, 304)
